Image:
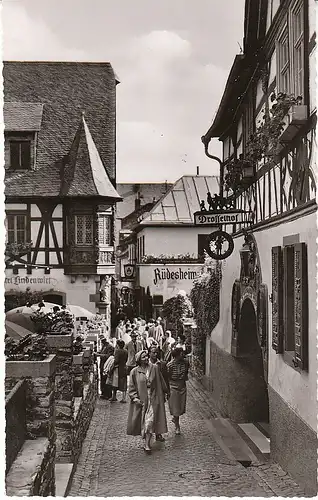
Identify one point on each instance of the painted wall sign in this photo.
(163, 273)
(226, 217)
(25, 280)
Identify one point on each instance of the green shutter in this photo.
(277, 300)
(301, 306)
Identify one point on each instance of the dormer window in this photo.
(20, 154)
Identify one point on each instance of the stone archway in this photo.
(249, 344)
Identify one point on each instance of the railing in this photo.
(15, 404)
(106, 256)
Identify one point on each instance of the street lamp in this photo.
(248, 170)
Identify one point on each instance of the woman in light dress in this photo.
(146, 391)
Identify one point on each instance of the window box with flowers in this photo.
(170, 259)
(281, 124)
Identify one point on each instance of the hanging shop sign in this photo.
(219, 245)
(225, 217)
(129, 272)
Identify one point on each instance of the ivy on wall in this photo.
(205, 298)
(175, 310)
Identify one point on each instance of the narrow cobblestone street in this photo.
(193, 464)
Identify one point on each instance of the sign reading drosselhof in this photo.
(226, 217)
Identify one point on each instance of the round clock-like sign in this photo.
(220, 245)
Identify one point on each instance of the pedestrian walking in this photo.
(133, 347)
(104, 353)
(155, 359)
(120, 372)
(178, 375)
(158, 332)
(108, 374)
(120, 329)
(181, 342)
(167, 344)
(146, 391)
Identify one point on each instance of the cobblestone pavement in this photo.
(113, 464)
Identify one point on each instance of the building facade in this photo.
(164, 251)
(261, 356)
(60, 178)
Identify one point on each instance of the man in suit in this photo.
(132, 347)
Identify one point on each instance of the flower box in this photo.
(78, 358)
(59, 341)
(34, 369)
(295, 118)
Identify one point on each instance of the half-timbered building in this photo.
(261, 357)
(60, 178)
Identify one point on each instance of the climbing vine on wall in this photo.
(175, 310)
(206, 309)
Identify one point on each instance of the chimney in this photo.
(137, 201)
(198, 170)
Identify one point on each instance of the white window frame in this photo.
(296, 83)
(15, 229)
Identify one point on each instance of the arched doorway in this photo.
(58, 298)
(254, 388)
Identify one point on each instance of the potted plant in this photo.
(28, 357)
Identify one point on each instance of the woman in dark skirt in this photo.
(120, 373)
(178, 375)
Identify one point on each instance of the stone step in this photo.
(232, 443)
(63, 476)
(257, 437)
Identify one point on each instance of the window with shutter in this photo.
(20, 155)
(277, 300)
(290, 304)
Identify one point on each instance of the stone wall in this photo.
(239, 394)
(62, 347)
(84, 408)
(32, 472)
(15, 421)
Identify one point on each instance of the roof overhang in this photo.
(236, 84)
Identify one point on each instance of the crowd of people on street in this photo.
(156, 366)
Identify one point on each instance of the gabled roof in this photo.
(80, 173)
(22, 116)
(178, 205)
(65, 89)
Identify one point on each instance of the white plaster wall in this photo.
(76, 293)
(172, 240)
(297, 389)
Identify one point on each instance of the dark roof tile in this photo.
(22, 116)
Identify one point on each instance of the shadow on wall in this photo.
(238, 383)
